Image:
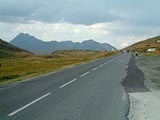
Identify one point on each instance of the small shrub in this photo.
(10, 77)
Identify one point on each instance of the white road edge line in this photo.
(94, 69)
(68, 83)
(29, 104)
(85, 74)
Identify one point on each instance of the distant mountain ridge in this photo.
(38, 46)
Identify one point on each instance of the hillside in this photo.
(8, 50)
(80, 54)
(143, 46)
(38, 46)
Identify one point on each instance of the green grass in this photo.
(16, 69)
(5, 54)
(151, 53)
(7, 77)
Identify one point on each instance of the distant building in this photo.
(151, 49)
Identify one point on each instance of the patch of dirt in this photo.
(151, 71)
(144, 106)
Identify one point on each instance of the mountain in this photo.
(143, 46)
(38, 46)
(8, 50)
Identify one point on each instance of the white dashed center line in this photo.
(68, 83)
(29, 104)
(94, 69)
(101, 65)
(85, 74)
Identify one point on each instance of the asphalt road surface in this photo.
(90, 91)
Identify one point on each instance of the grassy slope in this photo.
(8, 51)
(146, 44)
(16, 69)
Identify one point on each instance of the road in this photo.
(90, 91)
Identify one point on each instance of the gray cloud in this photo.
(125, 21)
(89, 18)
(18, 11)
(138, 12)
(72, 11)
(87, 12)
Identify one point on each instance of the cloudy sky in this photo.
(118, 22)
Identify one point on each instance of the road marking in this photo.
(29, 104)
(124, 96)
(101, 65)
(68, 83)
(112, 60)
(85, 74)
(94, 69)
(127, 67)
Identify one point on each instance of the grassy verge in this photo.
(157, 53)
(17, 69)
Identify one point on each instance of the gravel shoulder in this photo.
(145, 105)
